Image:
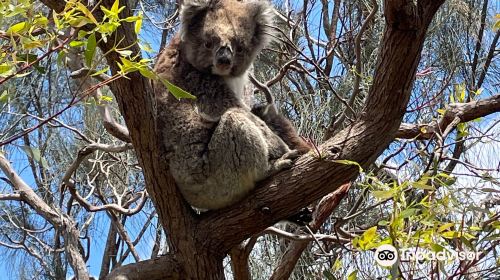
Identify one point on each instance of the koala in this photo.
(216, 148)
(280, 125)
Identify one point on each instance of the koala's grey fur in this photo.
(217, 149)
(278, 123)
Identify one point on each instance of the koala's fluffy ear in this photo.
(189, 10)
(263, 13)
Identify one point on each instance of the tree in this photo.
(98, 45)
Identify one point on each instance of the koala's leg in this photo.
(242, 150)
(280, 125)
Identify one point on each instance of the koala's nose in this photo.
(223, 56)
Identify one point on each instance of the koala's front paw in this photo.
(284, 162)
(292, 155)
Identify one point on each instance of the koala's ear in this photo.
(263, 13)
(189, 9)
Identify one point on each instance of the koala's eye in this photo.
(208, 44)
(239, 48)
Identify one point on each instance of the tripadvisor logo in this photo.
(386, 255)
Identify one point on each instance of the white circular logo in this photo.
(386, 255)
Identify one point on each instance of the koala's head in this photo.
(223, 37)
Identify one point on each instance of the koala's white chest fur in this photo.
(237, 85)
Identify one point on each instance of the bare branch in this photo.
(54, 216)
(11, 196)
(464, 111)
(122, 232)
(305, 237)
(87, 150)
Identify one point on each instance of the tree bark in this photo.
(464, 111)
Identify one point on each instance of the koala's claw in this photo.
(293, 155)
(284, 162)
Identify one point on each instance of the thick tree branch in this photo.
(464, 111)
(357, 48)
(11, 196)
(239, 259)
(165, 267)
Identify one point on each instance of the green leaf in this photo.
(4, 97)
(82, 34)
(90, 50)
(16, 28)
(383, 223)
(26, 57)
(100, 71)
(126, 53)
(353, 275)
(408, 212)
(56, 20)
(148, 73)
(138, 24)
(79, 22)
(462, 94)
(41, 20)
(146, 47)
(29, 44)
(366, 240)
(132, 18)
(76, 44)
(445, 227)
(436, 247)
(176, 91)
(382, 195)
(106, 98)
(6, 70)
(34, 153)
(328, 275)
(337, 265)
(441, 111)
(115, 6)
(423, 186)
(107, 28)
(86, 12)
(451, 234)
(60, 57)
(497, 23)
(475, 228)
